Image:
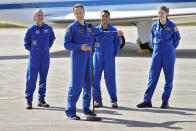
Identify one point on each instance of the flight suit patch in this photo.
(81, 30)
(168, 29)
(97, 44)
(46, 31)
(67, 30)
(34, 42)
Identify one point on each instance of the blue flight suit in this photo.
(37, 41)
(106, 48)
(81, 64)
(164, 39)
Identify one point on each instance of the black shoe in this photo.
(164, 105)
(144, 105)
(43, 104)
(98, 105)
(114, 105)
(29, 105)
(90, 113)
(73, 117)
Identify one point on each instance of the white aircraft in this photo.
(123, 12)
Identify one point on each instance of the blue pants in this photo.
(165, 60)
(81, 77)
(104, 62)
(37, 64)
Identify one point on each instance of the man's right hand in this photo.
(85, 47)
(120, 33)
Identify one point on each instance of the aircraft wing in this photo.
(180, 15)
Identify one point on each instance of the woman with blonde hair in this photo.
(165, 39)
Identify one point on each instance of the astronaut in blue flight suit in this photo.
(106, 48)
(78, 40)
(165, 39)
(38, 39)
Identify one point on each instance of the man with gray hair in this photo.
(38, 40)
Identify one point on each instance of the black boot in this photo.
(43, 104)
(89, 113)
(73, 117)
(98, 105)
(114, 105)
(144, 105)
(29, 105)
(164, 105)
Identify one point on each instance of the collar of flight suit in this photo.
(78, 23)
(38, 25)
(166, 24)
(109, 27)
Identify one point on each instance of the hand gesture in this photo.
(85, 47)
(120, 33)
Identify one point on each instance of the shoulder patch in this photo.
(67, 30)
(176, 29)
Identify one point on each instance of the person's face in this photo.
(79, 14)
(105, 18)
(162, 14)
(39, 17)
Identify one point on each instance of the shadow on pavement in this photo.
(130, 50)
(171, 110)
(132, 123)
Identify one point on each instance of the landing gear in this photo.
(143, 29)
(145, 46)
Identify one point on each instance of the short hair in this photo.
(106, 11)
(36, 11)
(78, 6)
(164, 8)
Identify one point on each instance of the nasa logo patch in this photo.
(81, 30)
(168, 29)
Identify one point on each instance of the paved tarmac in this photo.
(131, 77)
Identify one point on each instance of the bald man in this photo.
(38, 40)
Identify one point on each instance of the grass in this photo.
(187, 24)
(6, 25)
